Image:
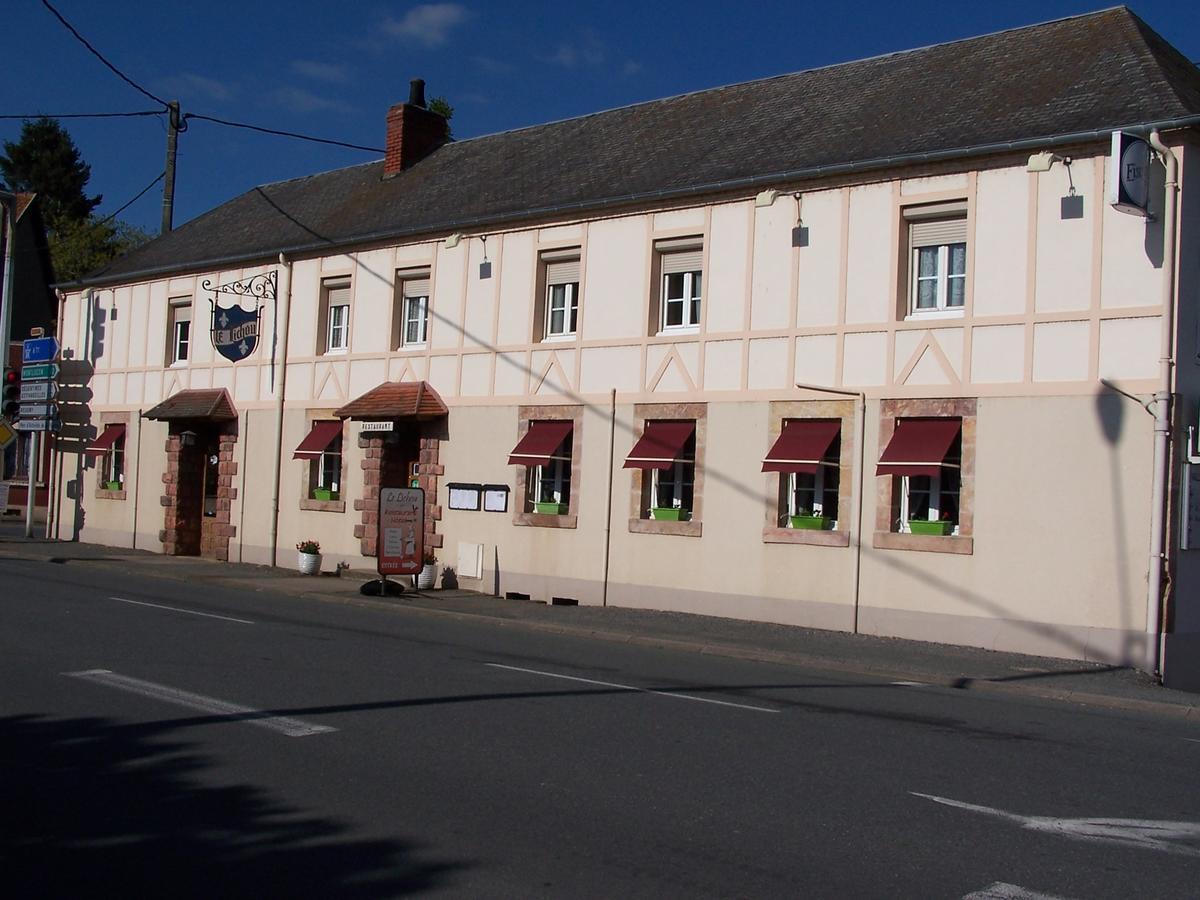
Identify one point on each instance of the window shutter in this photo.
(936, 232)
(181, 312)
(564, 271)
(416, 287)
(338, 295)
(683, 261)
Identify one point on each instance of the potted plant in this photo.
(939, 527)
(428, 575)
(669, 513)
(549, 508)
(112, 485)
(324, 494)
(809, 520)
(309, 557)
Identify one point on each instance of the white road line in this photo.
(998, 890)
(190, 612)
(1180, 838)
(626, 687)
(282, 724)
(908, 684)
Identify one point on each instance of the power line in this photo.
(138, 197)
(107, 115)
(79, 37)
(290, 134)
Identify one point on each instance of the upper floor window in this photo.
(562, 294)
(937, 258)
(412, 297)
(179, 330)
(335, 316)
(681, 290)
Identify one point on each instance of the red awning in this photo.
(802, 445)
(660, 445)
(318, 440)
(537, 447)
(105, 440)
(918, 446)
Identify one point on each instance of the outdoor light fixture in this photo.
(485, 267)
(1041, 162)
(800, 231)
(766, 198)
(453, 240)
(1071, 206)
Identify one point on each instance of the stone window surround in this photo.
(698, 412)
(886, 499)
(778, 411)
(527, 414)
(112, 418)
(306, 502)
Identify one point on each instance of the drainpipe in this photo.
(284, 298)
(862, 465)
(1156, 598)
(612, 443)
(137, 475)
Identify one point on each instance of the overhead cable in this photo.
(109, 115)
(291, 134)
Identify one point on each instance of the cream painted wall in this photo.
(618, 279)
(820, 263)
(771, 278)
(870, 295)
(1001, 242)
(725, 293)
(1064, 259)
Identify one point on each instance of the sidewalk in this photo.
(963, 668)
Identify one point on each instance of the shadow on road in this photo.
(93, 808)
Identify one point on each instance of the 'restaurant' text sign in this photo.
(401, 543)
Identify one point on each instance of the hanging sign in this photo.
(1129, 175)
(400, 546)
(234, 328)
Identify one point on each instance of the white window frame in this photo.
(337, 335)
(570, 310)
(678, 478)
(180, 341)
(556, 474)
(942, 278)
(937, 229)
(114, 462)
(420, 303)
(691, 299)
(318, 474)
(818, 491)
(935, 499)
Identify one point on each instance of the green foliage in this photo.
(85, 246)
(46, 161)
(442, 107)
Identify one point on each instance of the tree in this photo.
(45, 161)
(442, 107)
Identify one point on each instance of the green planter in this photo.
(550, 509)
(668, 514)
(811, 523)
(921, 526)
(324, 494)
(112, 486)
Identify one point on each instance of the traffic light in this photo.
(12, 394)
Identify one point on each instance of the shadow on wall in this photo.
(116, 810)
(1111, 409)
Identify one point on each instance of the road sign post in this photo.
(39, 411)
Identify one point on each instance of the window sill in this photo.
(801, 536)
(558, 338)
(691, 528)
(422, 345)
(537, 520)
(334, 506)
(336, 351)
(924, 315)
(102, 494)
(178, 364)
(679, 331)
(891, 540)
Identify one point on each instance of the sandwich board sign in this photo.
(400, 547)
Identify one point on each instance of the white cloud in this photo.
(188, 84)
(302, 101)
(321, 71)
(588, 52)
(429, 23)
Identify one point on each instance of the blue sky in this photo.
(333, 69)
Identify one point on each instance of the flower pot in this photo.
(426, 578)
(810, 523)
(310, 563)
(112, 485)
(550, 509)
(940, 528)
(668, 514)
(324, 494)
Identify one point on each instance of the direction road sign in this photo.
(38, 390)
(42, 372)
(38, 425)
(38, 350)
(38, 410)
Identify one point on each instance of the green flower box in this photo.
(668, 514)
(324, 494)
(112, 486)
(940, 528)
(811, 523)
(550, 509)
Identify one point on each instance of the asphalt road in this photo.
(161, 740)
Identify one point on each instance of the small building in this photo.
(864, 348)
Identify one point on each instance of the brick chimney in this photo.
(413, 132)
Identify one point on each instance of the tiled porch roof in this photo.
(214, 404)
(396, 400)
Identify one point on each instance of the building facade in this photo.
(896, 393)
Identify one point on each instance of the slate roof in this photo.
(1075, 77)
(209, 403)
(396, 400)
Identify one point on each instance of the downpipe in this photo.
(285, 299)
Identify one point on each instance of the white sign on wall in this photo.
(1129, 175)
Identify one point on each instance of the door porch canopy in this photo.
(414, 400)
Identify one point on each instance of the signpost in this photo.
(39, 350)
(38, 390)
(400, 545)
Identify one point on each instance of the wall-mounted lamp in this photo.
(800, 231)
(1071, 206)
(453, 240)
(766, 198)
(485, 267)
(1041, 162)
(187, 438)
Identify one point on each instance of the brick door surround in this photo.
(376, 470)
(175, 532)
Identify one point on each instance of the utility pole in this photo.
(168, 206)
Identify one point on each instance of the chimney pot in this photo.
(416, 92)
(413, 131)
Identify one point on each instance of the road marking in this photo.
(190, 612)
(236, 713)
(908, 684)
(627, 687)
(998, 890)
(1143, 834)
